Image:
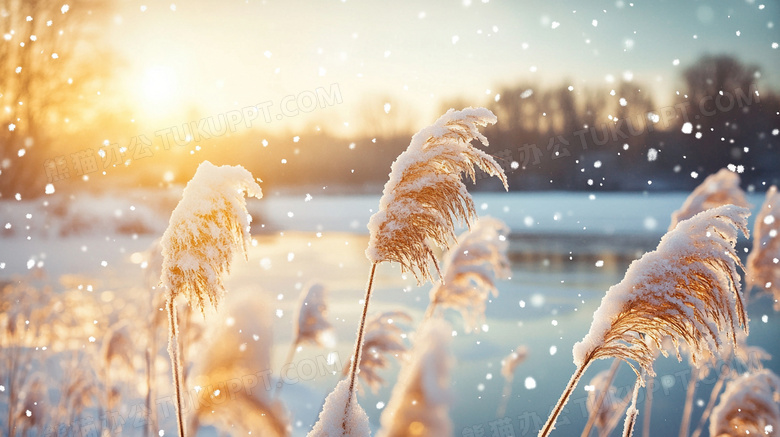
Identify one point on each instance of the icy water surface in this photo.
(566, 250)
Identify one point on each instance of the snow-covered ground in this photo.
(567, 249)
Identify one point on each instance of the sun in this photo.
(159, 88)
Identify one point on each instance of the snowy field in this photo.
(566, 249)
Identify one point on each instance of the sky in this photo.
(193, 59)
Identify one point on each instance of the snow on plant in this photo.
(508, 366)
(425, 194)
(470, 269)
(419, 405)
(311, 326)
(688, 289)
(309, 323)
(721, 188)
(335, 422)
(763, 262)
(749, 356)
(750, 405)
(209, 225)
(383, 339)
(206, 228)
(423, 199)
(239, 345)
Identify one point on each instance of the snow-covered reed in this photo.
(425, 195)
(309, 322)
(237, 346)
(688, 289)
(311, 325)
(208, 226)
(335, 422)
(383, 339)
(603, 403)
(423, 199)
(749, 406)
(470, 270)
(750, 357)
(419, 405)
(763, 262)
(508, 366)
(721, 188)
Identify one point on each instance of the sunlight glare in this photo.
(159, 87)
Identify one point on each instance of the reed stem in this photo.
(173, 351)
(287, 362)
(705, 415)
(600, 399)
(648, 406)
(550, 425)
(359, 343)
(505, 395)
(686, 419)
(632, 412)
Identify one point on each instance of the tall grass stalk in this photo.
(688, 290)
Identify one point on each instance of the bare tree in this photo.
(47, 67)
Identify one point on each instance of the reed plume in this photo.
(750, 405)
(420, 401)
(603, 404)
(309, 322)
(237, 346)
(508, 366)
(312, 326)
(423, 199)
(749, 356)
(33, 402)
(117, 346)
(763, 262)
(384, 338)
(206, 228)
(721, 188)
(425, 194)
(78, 390)
(687, 289)
(470, 270)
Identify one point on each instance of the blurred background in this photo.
(138, 93)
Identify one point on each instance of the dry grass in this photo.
(425, 195)
(470, 270)
(419, 405)
(721, 188)
(508, 366)
(608, 412)
(688, 290)
(763, 263)
(749, 406)
(209, 225)
(312, 326)
(383, 339)
(238, 345)
(206, 228)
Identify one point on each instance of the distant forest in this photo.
(602, 139)
(547, 138)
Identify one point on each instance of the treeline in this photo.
(555, 138)
(563, 138)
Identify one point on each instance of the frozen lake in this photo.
(547, 305)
